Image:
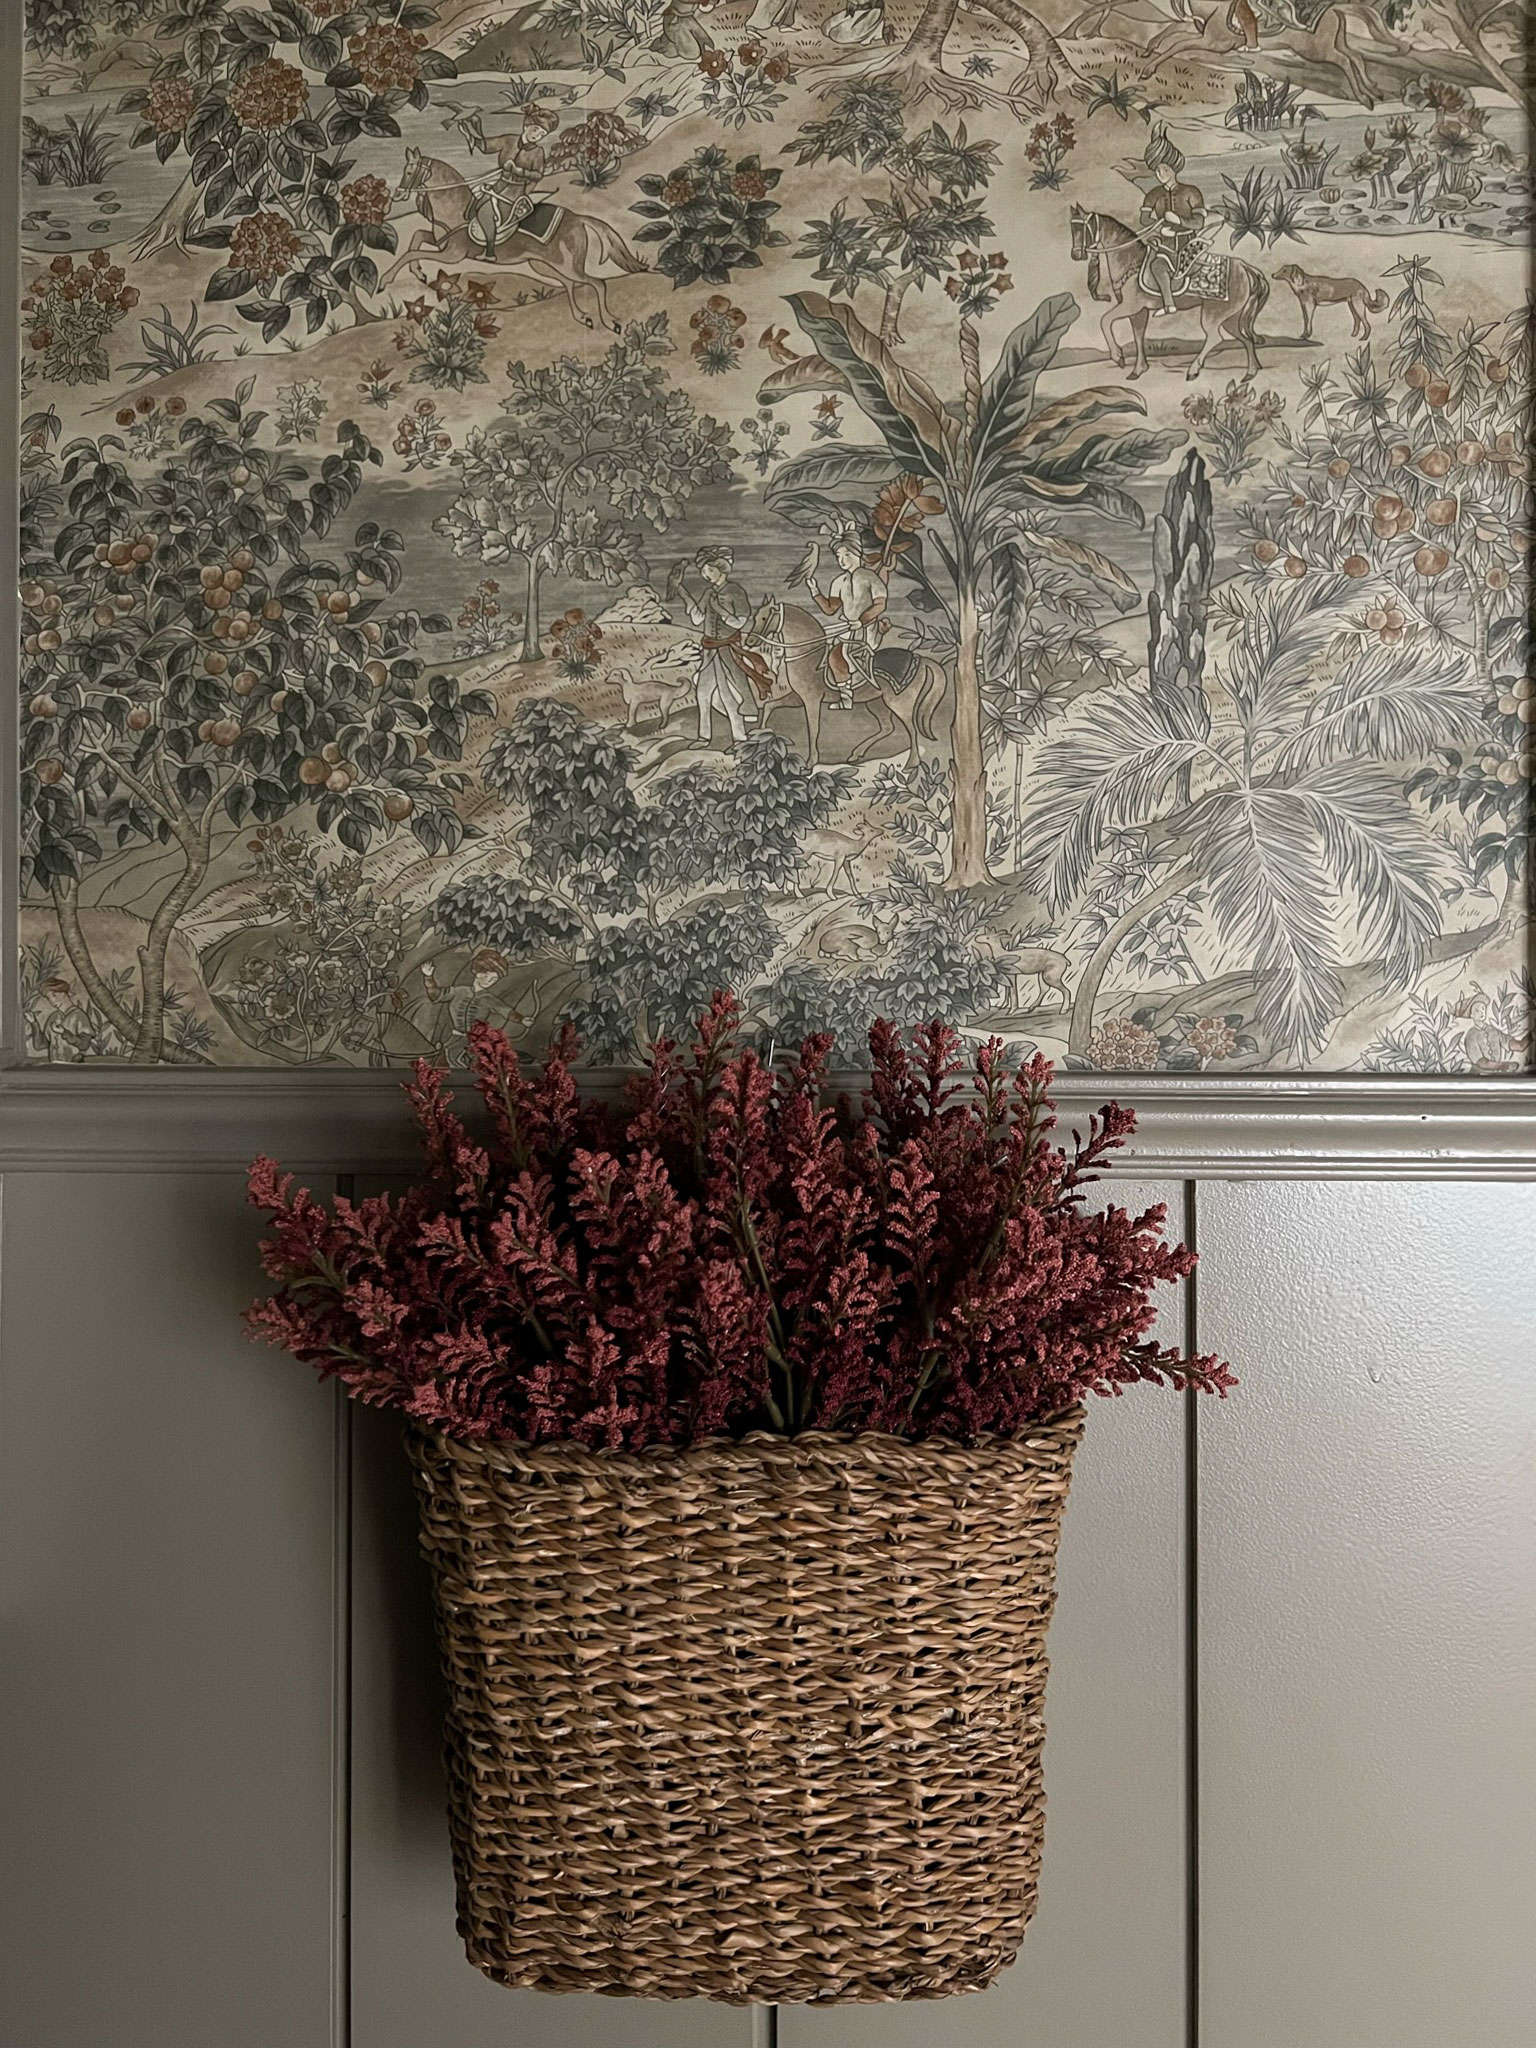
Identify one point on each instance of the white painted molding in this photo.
(1191, 1127)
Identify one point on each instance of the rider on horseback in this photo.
(854, 608)
(1175, 214)
(502, 205)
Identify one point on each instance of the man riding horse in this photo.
(512, 200)
(854, 609)
(1175, 215)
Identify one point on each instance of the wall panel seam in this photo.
(342, 1564)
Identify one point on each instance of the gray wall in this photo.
(1291, 1767)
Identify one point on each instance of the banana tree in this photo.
(997, 456)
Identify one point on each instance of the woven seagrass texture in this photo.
(754, 1722)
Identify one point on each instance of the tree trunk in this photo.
(926, 41)
(150, 1042)
(890, 312)
(168, 229)
(968, 806)
(1047, 60)
(531, 649)
(66, 905)
(1080, 1031)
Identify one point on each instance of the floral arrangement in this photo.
(729, 1252)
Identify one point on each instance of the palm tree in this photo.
(1279, 798)
(998, 456)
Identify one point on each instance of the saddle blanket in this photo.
(1206, 275)
(493, 223)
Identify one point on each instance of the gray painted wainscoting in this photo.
(1292, 1781)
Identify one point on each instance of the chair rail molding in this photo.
(1190, 1127)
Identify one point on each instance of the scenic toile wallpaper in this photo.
(1012, 510)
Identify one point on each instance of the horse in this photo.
(910, 685)
(1116, 253)
(566, 254)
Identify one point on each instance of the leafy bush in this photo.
(69, 313)
(710, 216)
(729, 1254)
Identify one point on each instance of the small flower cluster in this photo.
(365, 201)
(269, 95)
(149, 425)
(729, 1253)
(977, 282)
(385, 58)
(265, 244)
(594, 148)
(717, 335)
(827, 420)
(168, 105)
(576, 644)
(421, 437)
(447, 340)
(70, 310)
(1049, 145)
(377, 383)
(1233, 425)
(745, 89)
(481, 622)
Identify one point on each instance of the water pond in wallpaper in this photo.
(1011, 511)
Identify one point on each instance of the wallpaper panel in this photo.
(1013, 511)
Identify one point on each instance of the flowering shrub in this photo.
(710, 217)
(70, 310)
(448, 340)
(728, 1254)
(717, 335)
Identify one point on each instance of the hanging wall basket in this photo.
(755, 1721)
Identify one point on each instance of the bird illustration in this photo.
(775, 340)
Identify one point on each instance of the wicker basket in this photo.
(753, 1722)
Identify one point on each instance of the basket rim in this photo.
(1040, 1441)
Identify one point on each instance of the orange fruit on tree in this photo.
(1416, 376)
(1437, 392)
(339, 780)
(225, 732)
(1295, 566)
(313, 771)
(397, 806)
(1442, 511)
(50, 771)
(1266, 551)
(140, 718)
(1435, 461)
(1355, 565)
(1431, 560)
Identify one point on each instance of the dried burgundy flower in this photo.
(731, 1253)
